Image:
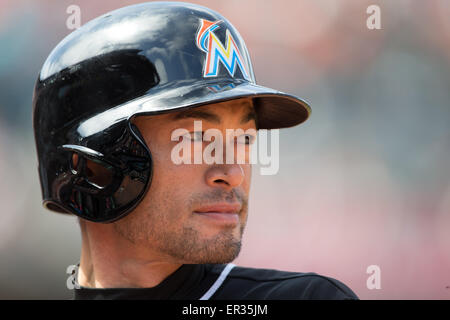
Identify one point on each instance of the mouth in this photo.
(222, 213)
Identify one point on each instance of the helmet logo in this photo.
(216, 52)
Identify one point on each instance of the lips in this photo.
(222, 213)
(220, 208)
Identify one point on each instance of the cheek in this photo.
(171, 174)
(171, 181)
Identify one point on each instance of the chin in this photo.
(216, 254)
(224, 258)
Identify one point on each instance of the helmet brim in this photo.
(275, 109)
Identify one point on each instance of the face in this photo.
(194, 213)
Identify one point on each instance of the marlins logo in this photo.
(216, 52)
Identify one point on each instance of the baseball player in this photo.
(106, 106)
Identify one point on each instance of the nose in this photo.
(227, 176)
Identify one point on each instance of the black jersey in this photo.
(229, 282)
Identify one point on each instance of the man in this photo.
(113, 103)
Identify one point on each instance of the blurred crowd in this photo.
(365, 181)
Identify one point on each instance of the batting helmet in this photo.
(143, 59)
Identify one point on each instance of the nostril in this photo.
(220, 181)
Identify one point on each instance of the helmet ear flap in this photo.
(103, 182)
(137, 134)
(93, 174)
(96, 173)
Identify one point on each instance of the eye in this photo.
(246, 139)
(195, 136)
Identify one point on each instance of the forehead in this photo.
(240, 109)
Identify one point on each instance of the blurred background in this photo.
(365, 181)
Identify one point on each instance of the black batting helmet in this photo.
(143, 59)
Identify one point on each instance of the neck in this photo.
(109, 260)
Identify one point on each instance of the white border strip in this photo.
(223, 275)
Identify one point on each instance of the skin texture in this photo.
(166, 230)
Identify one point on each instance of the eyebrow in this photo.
(209, 116)
(192, 113)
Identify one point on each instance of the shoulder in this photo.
(255, 283)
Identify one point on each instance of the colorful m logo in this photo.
(229, 55)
